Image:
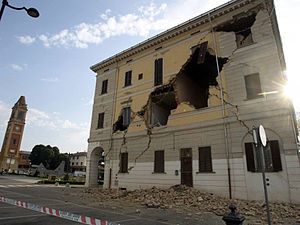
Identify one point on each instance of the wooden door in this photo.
(186, 167)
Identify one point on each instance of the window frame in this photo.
(20, 115)
(249, 89)
(204, 156)
(123, 162)
(156, 72)
(104, 87)
(238, 38)
(272, 161)
(128, 78)
(125, 115)
(140, 76)
(100, 123)
(159, 161)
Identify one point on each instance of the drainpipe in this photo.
(223, 109)
(112, 121)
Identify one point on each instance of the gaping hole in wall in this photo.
(195, 77)
(118, 125)
(162, 102)
(241, 24)
(190, 85)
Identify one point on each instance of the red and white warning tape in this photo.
(58, 213)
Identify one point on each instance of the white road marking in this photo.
(18, 217)
(21, 185)
(121, 221)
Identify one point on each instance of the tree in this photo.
(41, 154)
(49, 156)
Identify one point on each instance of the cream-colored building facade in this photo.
(180, 107)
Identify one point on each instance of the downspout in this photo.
(112, 121)
(223, 109)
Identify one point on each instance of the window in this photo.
(271, 156)
(77, 157)
(81, 163)
(128, 76)
(76, 163)
(104, 87)
(124, 163)
(72, 164)
(201, 52)
(158, 71)
(159, 161)
(100, 120)
(20, 115)
(243, 38)
(140, 76)
(126, 116)
(205, 162)
(14, 141)
(253, 87)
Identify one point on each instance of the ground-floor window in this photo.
(159, 161)
(205, 161)
(124, 163)
(271, 157)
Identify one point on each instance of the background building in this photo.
(9, 156)
(24, 162)
(180, 107)
(78, 163)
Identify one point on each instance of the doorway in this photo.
(186, 160)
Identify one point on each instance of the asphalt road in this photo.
(24, 189)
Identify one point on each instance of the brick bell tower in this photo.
(9, 155)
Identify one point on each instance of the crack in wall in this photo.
(191, 84)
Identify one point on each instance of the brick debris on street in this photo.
(182, 198)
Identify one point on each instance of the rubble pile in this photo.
(183, 197)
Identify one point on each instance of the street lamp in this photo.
(31, 11)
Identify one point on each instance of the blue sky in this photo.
(47, 59)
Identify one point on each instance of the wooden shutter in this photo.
(275, 151)
(104, 87)
(126, 116)
(128, 76)
(158, 71)
(250, 157)
(202, 52)
(159, 161)
(205, 162)
(100, 120)
(124, 163)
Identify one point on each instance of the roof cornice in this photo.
(173, 32)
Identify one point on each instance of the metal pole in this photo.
(262, 163)
(4, 3)
(223, 107)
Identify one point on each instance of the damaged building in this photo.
(179, 108)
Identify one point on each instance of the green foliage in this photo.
(66, 177)
(49, 156)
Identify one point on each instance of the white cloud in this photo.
(133, 24)
(16, 67)
(54, 79)
(149, 18)
(26, 39)
(4, 113)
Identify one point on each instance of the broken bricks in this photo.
(180, 198)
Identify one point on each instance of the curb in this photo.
(57, 213)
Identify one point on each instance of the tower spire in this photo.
(9, 155)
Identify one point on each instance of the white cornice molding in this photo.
(173, 32)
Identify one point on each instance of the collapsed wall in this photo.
(191, 84)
